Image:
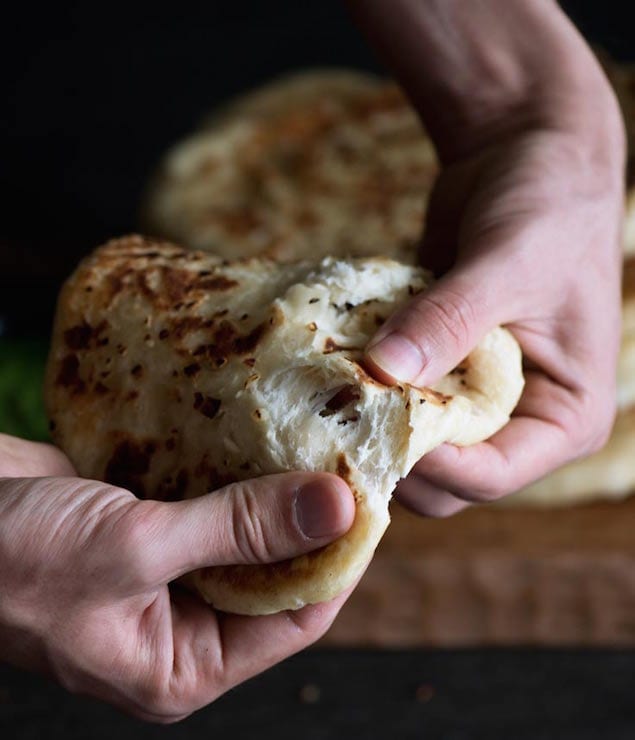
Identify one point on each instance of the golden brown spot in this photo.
(68, 376)
(330, 345)
(343, 468)
(130, 461)
(228, 341)
(175, 283)
(182, 327)
(219, 282)
(144, 288)
(80, 337)
(340, 400)
(207, 405)
(435, 397)
(253, 377)
(167, 491)
(215, 479)
(240, 221)
(306, 218)
(192, 369)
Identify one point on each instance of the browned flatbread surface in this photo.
(322, 163)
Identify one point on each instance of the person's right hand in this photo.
(84, 568)
(522, 228)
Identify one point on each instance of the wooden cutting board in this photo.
(499, 577)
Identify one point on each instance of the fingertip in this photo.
(396, 357)
(425, 499)
(324, 507)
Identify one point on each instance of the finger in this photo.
(214, 652)
(437, 328)
(549, 428)
(525, 450)
(421, 497)
(20, 458)
(256, 521)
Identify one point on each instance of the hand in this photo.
(523, 225)
(84, 569)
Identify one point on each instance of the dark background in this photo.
(92, 95)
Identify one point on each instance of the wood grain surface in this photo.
(499, 577)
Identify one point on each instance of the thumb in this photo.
(435, 331)
(256, 521)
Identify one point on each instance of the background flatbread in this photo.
(172, 373)
(322, 163)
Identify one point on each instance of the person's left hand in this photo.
(85, 567)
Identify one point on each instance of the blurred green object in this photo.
(21, 377)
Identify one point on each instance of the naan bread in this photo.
(626, 360)
(172, 373)
(322, 163)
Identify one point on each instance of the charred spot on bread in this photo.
(344, 397)
(206, 405)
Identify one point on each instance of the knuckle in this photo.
(135, 531)
(590, 424)
(154, 698)
(495, 489)
(166, 699)
(311, 624)
(451, 313)
(599, 435)
(251, 540)
(485, 482)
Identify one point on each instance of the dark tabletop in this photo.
(92, 94)
(327, 695)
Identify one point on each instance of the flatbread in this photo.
(172, 373)
(626, 360)
(322, 163)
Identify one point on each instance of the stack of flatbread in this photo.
(337, 163)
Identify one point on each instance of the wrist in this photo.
(481, 72)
